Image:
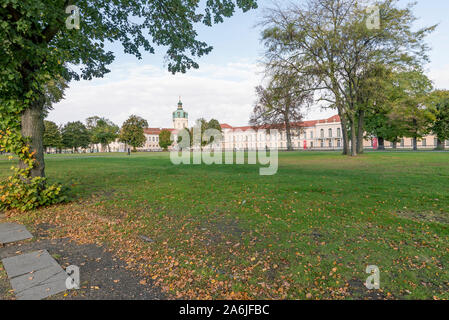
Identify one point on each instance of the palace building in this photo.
(325, 134)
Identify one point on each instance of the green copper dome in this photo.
(180, 113)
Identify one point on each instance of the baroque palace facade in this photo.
(322, 134)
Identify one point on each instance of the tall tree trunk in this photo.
(360, 131)
(32, 122)
(415, 139)
(344, 131)
(395, 145)
(381, 142)
(440, 144)
(353, 138)
(289, 135)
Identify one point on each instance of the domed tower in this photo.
(180, 118)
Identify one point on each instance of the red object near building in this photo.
(305, 145)
(375, 144)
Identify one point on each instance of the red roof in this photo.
(152, 131)
(225, 126)
(155, 131)
(304, 124)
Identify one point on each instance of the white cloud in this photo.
(440, 76)
(224, 92)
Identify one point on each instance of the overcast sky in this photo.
(223, 87)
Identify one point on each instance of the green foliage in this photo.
(21, 191)
(203, 125)
(102, 131)
(16, 193)
(165, 139)
(440, 100)
(401, 107)
(132, 132)
(54, 92)
(213, 124)
(52, 135)
(75, 135)
(380, 125)
(410, 103)
(181, 141)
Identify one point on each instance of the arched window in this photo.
(322, 133)
(330, 133)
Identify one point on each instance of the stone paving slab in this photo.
(12, 232)
(35, 275)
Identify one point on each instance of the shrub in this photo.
(20, 191)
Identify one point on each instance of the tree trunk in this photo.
(395, 145)
(353, 139)
(344, 130)
(360, 131)
(32, 122)
(415, 139)
(289, 135)
(440, 144)
(381, 142)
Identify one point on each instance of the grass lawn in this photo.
(226, 232)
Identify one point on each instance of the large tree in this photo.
(165, 140)
(75, 135)
(440, 101)
(336, 43)
(52, 135)
(378, 123)
(132, 132)
(102, 131)
(411, 104)
(281, 104)
(41, 42)
(203, 125)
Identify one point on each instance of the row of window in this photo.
(298, 144)
(330, 133)
(283, 135)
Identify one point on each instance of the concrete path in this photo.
(35, 275)
(12, 232)
(103, 276)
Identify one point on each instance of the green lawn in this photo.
(226, 232)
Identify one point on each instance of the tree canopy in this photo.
(132, 131)
(165, 139)
(102, 131)
(75, 135)
(439, 99)
(52, 135)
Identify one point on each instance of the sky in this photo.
(223, 86)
